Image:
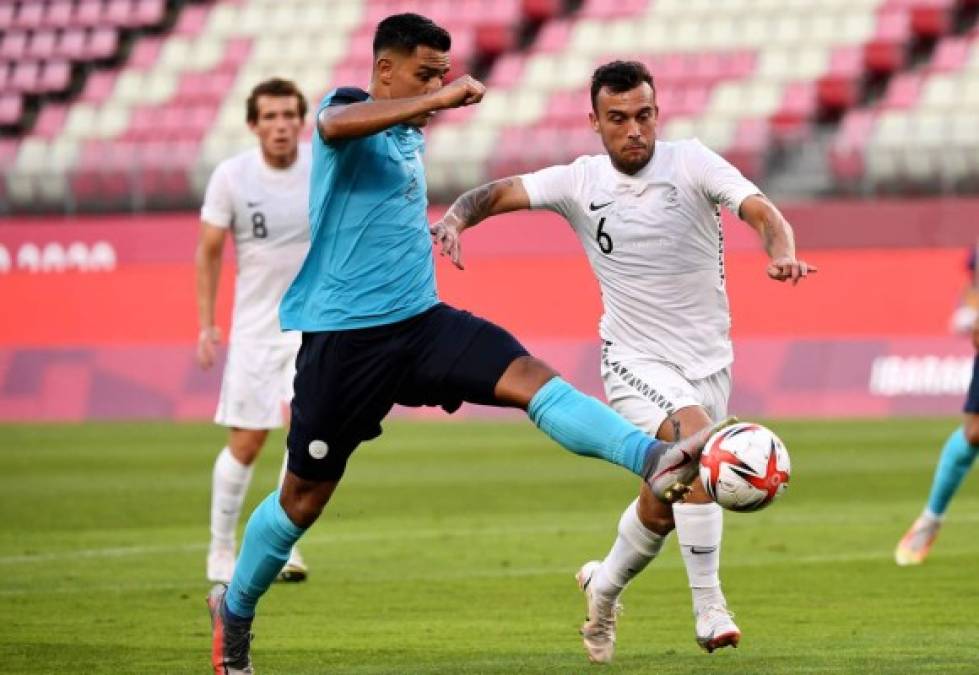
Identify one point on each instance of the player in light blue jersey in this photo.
(375, 333)
(961, 447)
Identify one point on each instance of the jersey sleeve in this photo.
(218, 208)
(551, 188)
(718, 179)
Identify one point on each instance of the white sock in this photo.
(698, 529)
(634, 548)
(228, 487)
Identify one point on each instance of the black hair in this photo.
(619, 77)
(405, 32)
(273, 87)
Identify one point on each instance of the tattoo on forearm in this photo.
(475, 205)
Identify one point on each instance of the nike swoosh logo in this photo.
(594, 207)
(686, 460)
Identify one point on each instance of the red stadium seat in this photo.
(541, 10)
(932, 19)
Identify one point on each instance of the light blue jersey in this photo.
(370, 257)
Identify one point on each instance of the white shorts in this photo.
(257, 384)
(646, 391)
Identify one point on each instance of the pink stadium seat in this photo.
(553, 36)
(25, 77)
(606, 9)
(55, 77)
(72, 44)
(950, 54)
(58, 14)
(11, 109)
(6, 16)
(14, 45)
(846, 155)
(902, 91)
(236, 52)
(191, 20)
(150, 12)
(798, 107)
(88, 13)
(119, 13)
(102, 43)
(145, 53)
(42, 45)
(29, 15)
(506, 70)
(99, 85)
(50, 121)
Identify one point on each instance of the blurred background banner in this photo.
(99, 318)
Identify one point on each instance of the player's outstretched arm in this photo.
(474, 206)
(207, 261)
(369, 117)
(777, 237)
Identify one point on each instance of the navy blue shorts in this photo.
(347, 381)
(972, 398)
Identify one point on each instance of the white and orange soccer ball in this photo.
(744, 467)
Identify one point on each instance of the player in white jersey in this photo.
(647, 215)
(261, 197)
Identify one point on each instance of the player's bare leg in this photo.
(230, 480)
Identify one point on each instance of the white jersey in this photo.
(267, 210)
(654, 241)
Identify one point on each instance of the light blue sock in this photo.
(955, 461)
(269, 537)
(586, 426)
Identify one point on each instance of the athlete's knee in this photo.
(522, 379)
(304, 500)
(971, 429)
(245, 444)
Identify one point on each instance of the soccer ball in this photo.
(744, 467)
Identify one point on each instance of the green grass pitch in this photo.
(451, 548)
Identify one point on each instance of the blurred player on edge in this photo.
(647, 215)
(960, 449)
(374, 332)
(261, 195)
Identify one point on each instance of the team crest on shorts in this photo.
(318, 449)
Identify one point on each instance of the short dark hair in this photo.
(275, 86)
(619, 76)
(405, 32)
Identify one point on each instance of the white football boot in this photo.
(598, 631)
(716, 628)
(220, 563)
(295, 569)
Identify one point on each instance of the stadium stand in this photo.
(129, 104)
